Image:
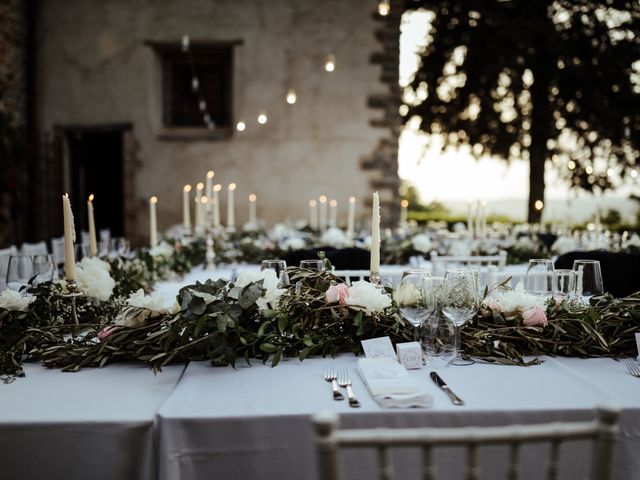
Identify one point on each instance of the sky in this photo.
(455, 176)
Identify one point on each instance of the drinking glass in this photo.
(588, 278)
(119, 246)
(312, 264)
(278, 266)
(415, 298)
(460, 302)
(19, 271)
(439, 341)
(539, 277)
(564, 283)
(44, 269)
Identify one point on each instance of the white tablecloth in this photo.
(253, 422)
(95, 424)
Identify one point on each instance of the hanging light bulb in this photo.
(291, 96)
(240, 126)
(330, 63)
(202, 105)
(195, 84)
(262, 118)
(185, 43)
(383, 8)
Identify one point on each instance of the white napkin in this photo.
(390, 384)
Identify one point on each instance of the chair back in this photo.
(39, 248)
(602, 433)
(352, 275)
(57, 249)
(440, 263)
(5, 255)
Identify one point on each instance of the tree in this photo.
(547, 81)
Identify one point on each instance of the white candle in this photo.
(231, 211)
(351, 219)
(216, 204)
(153, 225)
(186, 207)
(93, 243)
(313, 214)
(252, 210)
(199, 207)
(69, 239)
(323, 212)
(375, 235)
(333, 213)
(404, 206)
(209, 193)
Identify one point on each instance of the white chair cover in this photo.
(39, 248)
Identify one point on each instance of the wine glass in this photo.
(564, 283)
(460, 302)
(539, 277)
(439, 341)
(415, 298)
(19, 271)
(312, 264)
(278, 266)
(44, 269)
(588, 278)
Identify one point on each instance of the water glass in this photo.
(44, 269)
(439, 341)
(564, 283)
(415, 298)
(460, 301)
(19, 271)
(312, 264)
(539, 277)
(278, 266)
(588, 278)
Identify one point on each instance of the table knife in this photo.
(456, 400)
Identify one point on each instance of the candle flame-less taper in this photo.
(93, 242)
(69, 239)
(375, 237)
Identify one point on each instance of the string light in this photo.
(384, 7)
(262, 118)
(539, 205)
(195, 84)
(330, 63)
(291, 96)
(240, 126)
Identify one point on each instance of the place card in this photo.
(409, 355)
(378, 348)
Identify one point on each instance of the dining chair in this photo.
(5, 255)
(352, 275)
(57, 249)
(440, 263)
(602, 432)
(39, 248)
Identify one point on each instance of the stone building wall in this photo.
(95, 67)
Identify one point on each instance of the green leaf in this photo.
(268, 347)
(249, 295)
(283, 321)
(197, 305)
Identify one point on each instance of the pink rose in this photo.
(337, 293)
(534, 316)
(106, 331)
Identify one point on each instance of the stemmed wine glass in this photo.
(19, 271)
(415, 298)
(588, 278)
(439, 333)
(539, 277)
(312, 264)
(44, 269)
(460, 302)
(279, 267)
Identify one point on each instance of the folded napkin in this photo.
(390, 384)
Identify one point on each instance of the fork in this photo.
(330, 376)
(632, 366)
(345, 381)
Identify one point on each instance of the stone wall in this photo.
(95, 67)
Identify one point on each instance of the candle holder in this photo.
(210, 254)
(73, 293)
(374, 278)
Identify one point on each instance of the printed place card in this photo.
(378, 348)
(409, 355)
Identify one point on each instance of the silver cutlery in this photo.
(632, 366)
(456, 400)
(345, 382)
(330, 376)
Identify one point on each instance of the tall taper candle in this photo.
(199, 207)
(375, 236)
(231, 208)
(351, 219)
(153, 223)
(404, 206)
(93, 243)
(186, 207)
(216, 204)
(209, 193)
(323, 212)
(252, 210)
(333, 213)
(69, 239)
(313, 214)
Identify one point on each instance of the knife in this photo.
(456, 400)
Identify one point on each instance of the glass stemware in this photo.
(460, 302)
(539, 277)
(19, 271)
(439, 333)
(564, 283)
(588, 278)
(44, 269)
(415, 298)
(279, 267)
(312, 264)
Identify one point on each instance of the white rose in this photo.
(335, 237)
(16, 301)
(154, 302)
(163, 249)
(421, 243)
(280, 231)
(293, 243)
(93, 278)
(272, 293)
(514, 300)
(368, 297)
(564, 245)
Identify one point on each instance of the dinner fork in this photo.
(330, 376)
(632, 366)
(345, 381)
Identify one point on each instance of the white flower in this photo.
(93, 278)
(460, 249)
(293, 243)
(335, 237)
(421, 243)
(154, 302)
(634, 241)
(564, 245)
(407, 294)
(16, 301)
(512, 301)
(163, 249)
(280, 231)
(270, 282)
(368, 297)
